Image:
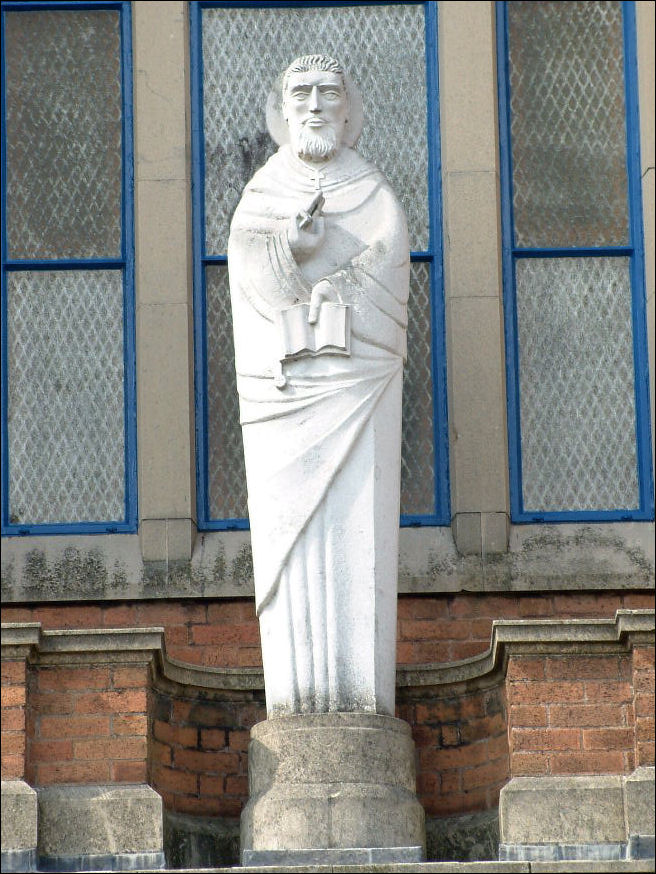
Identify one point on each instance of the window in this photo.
(390, 50)
(573, 262)
(68, 395)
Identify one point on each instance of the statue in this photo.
(319, 271)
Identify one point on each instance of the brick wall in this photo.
(200, 752)
(88, 724)
(431, 628)
(462, 748)
(107, 723)
(14, 697)
(642, 666)
(570, 714)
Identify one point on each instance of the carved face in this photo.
(315, 106)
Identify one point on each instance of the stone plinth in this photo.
(335, 782)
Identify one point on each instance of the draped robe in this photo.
(323, 453)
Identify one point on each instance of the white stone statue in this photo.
(319, 271)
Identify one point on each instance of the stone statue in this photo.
(319, 270)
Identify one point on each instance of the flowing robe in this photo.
(323, 453)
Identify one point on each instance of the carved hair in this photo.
(310, 63)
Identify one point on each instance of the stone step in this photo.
(584, 866)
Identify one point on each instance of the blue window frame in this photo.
(68, 337)
(220, 476)
(573, 264)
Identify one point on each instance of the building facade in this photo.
(520, 138)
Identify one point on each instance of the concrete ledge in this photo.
(18, 861)
(562, 811)
(525, 637)
(345, 856)
(19, 825)
(103, 820)
(103, 862)
(553, 818)
(554, 852)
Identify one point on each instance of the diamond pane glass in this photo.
(63, 134)
(383, 49)
(568, 124)
(226, 471)
(576, 371)
(65, 417)
(417, 452)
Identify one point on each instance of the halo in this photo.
(277, 126)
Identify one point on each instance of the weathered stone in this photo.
(99, 820)
(639, 805)
(339, 781)
(470, 838)
(19, 817)
(562, 810)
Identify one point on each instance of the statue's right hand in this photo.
(305, 241)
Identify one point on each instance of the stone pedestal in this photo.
(334, 787)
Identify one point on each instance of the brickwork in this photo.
(14, 697)
(462, 749)
(642, 665)
(431, 628)
(200, 752)
(552, 714)
(570, 714)
(89, 724)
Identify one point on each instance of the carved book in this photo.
(330, 335)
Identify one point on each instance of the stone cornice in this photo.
(629, 628)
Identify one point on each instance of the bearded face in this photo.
(315, 107)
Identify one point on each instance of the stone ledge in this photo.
(509, 637)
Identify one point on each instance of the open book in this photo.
(330, 335)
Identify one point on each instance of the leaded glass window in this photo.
(573, 263)
(68, 346)
(238, 50)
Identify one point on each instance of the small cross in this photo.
(318, 176)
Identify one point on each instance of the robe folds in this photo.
(323, 453)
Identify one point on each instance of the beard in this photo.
(314, 146)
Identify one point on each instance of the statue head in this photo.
(315, 106)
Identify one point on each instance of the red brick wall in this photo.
(14, 695)
(89, 724)
(642, 665)
(570, 714)
(462, 749)
(431, 628)
(200, 752)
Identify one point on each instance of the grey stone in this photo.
(99, 820)
(103, 862)
(200, 842)
(561, 852)
(14, 861)
(641, 847)
(19, 817)
(473, 837)
(639, 801)
(331, 780)
(562, 810)
(346, 856)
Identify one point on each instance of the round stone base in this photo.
(331, 781)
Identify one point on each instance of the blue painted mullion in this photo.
(636, 266)
(574, 252)
(59, 5)
(508, 272)
(65, 264)
(127, 252)
(441, 491)
(4, 385)
(200, 262)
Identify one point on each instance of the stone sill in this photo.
(509, 637)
